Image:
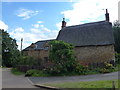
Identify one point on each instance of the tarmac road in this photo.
(12, 81)
(43, 80)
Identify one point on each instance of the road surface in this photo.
(43, 80)
(12, 81)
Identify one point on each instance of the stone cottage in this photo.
(93, 42)
(39, 50)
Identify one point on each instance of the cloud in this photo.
(36, 25)
(86, 11)
(19, 29)
(39, 21)
(59, 25)
(25, 13)
(3, 25)
(34, 35)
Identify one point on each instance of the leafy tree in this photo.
(62, 56)
(116, 31)
(10, 52)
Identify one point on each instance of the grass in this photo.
(16, 72)
(85, 84)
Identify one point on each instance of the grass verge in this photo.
(16, 72)
(85, 84)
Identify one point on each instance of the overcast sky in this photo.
(35, 21)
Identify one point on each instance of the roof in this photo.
(96, 33)
(39, 45)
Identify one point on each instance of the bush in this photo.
(35, 73)
(26, 60)
(108, 66)
(104, 70)
(80, 69)
(117, 58)
(16, 71)
(62, 56)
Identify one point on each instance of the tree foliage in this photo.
(10, 52)
(62, 56)
(116, 31)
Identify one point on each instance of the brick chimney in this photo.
(107, 16)
(63, 23)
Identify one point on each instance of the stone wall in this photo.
(93, 54)
(37, 54)
(85, 55)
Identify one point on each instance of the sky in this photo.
(36, 21)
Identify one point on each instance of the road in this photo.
(12, 81)
(43, 80)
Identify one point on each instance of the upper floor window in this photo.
(46, 48)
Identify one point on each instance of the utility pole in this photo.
(21, 45)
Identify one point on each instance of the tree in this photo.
(10, 52)
(62, 57)
(116, 31)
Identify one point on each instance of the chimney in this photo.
(32, 45)
(63, 23)
(107, 16)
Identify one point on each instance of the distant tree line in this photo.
(116, 32)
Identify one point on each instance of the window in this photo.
(46, 48)
(46, 59)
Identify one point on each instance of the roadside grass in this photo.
(85, 84)
(16, 72)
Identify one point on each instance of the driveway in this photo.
(12, 81)
(43, 80)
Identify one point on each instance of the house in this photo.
(94, 42)
(39, 50)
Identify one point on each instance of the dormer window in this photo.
(46, 48)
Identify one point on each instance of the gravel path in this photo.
(43, 80)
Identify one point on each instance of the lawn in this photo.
(85, 84)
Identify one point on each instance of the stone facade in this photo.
(41, 54)
(90, 54)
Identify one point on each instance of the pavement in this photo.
(12, 81)
(44, 80)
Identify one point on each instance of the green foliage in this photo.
(117, 58)
(80, 69)
(107, 68)
(27, 60)
(9, 50)
(104, 70)
(35, 73)
(16, 71)
(116, 31)
(62, 57)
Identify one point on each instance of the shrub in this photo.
(117, 58)
(108, 66)
(26, 60)
(104, 70)
(35, 73)
(62, 56)
(16, 71)
(80, 69)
